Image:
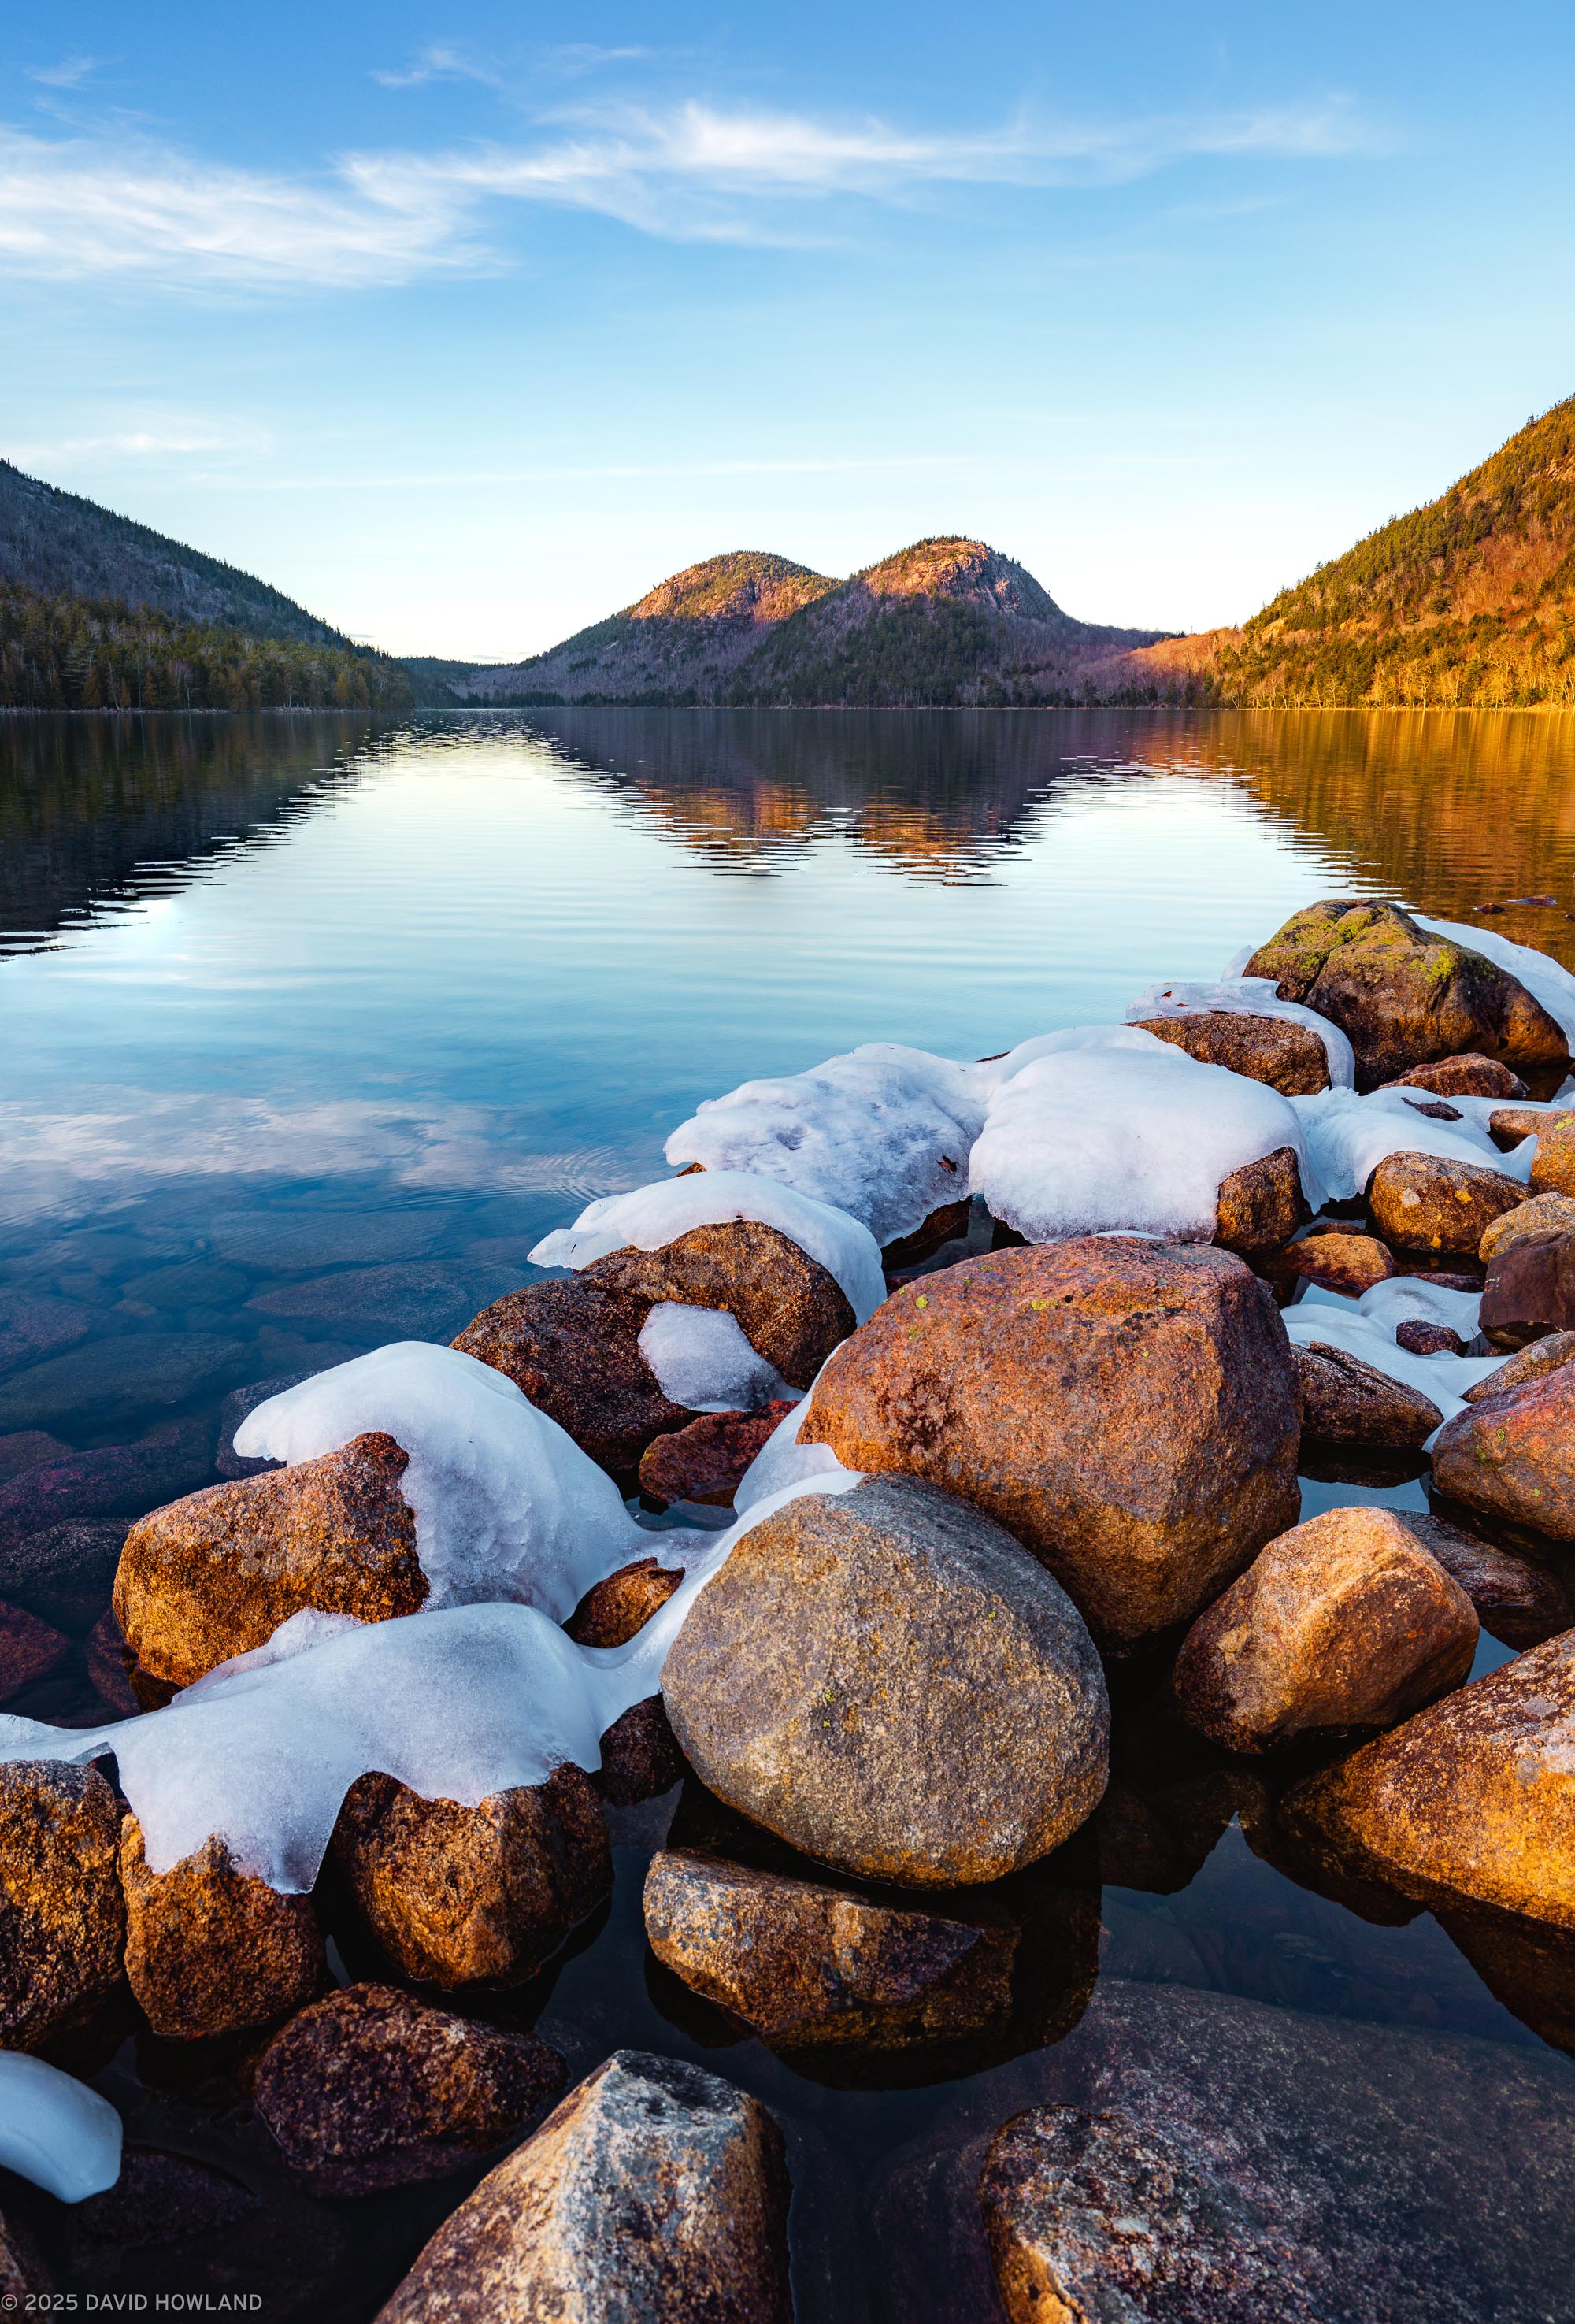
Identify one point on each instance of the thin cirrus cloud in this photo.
(692, 171)
(71, 73)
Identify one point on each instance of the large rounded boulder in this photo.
(1127, 1409)
(888, 1681)
(1405, 995)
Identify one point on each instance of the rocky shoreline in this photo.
(857, 1475)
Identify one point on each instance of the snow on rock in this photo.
(652, 1216)
(1340, 1324)
(55, 2131)
(1248, 996)
(456, 1705)
(782, 1462)
(882, 1133)
(1108, 1129)
(1349, 1136)
(702, 1359)
(1542, 978)
(506, 1504)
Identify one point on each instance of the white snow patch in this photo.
(1542, 978)
(507, 1506)
(782, 1462)
(652, 1216)
(1340, 1324)
(55, 2131)
(702, 1359)
(1111, 1130)
(881, 1133)
(456, 1705)
(1349, 1136)
(1250, 996)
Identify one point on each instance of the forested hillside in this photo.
(65, 652)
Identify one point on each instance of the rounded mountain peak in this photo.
(747, 584)
(970, 571)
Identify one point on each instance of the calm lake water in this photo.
(309, 1028)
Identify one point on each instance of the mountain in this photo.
(99, 613)
(1469, 601)
(947, 620)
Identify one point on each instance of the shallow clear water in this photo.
(308, 1030)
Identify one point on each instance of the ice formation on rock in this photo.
(653, 1216)
(55, 2131)
(1108, 1129)
(1544, 978)
(1248, 996)
(882, 1133)
(783, 1462)
(457, 1704)
(1349, 1136)
(701, 1357)
(507, 1506)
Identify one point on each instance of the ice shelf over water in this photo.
(702, 1359)
(55, 2132)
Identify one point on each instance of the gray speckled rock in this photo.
(888, 1681)
(655, 2194)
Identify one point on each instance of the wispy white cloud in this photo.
(438, 62)
(68, 74)
(690, 171)
(155, 438)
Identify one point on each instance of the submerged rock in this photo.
(806, 1964)
(1261, 1205)
(29, 1650)
(217, 1573)
(1345, 1401)
(116, 1480)
(62, 1922)
(1529, 1222)
(210, 1949)
(65, 1574)
(654, 2190)
(1517, 1599)
(1403, 995)
(1346, 1622)
(111, 1379)
(1427, 1202)
(1127, 1409)
(885, 1680)
(1089, 2216)
(459, 1896)
(706, 1461)
(370, 2087)
(1472, 1076)
(1290, 1057)
(1349, 1264)
(1530, 1291)
(1513, 1456)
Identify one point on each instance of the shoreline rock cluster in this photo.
(1318, 1216)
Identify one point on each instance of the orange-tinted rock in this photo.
(1530, 1291)
(612, 1610)
(1511, 1123)
(1343, 1624)
(1513, 1456)
(62, 1924)
(1474, 1797)
(1261, 1205)
(887, 1680)
(807, 1965)
(1423, 1339)
(1528, 1363)
(1428, 1202)
(640, 1757)
(573, 1347)
(217, 1573)
(1517, 1599)
(655, 2190)
(1472, 1076)
(29, 1650)
(1348, 1263)
(1127, 1409)
(1530, 1222)
(369, 2087)
(209, 1948)
(1345, 1401)
(1290, 1057)
(1552, 1169)
(480, 1896)
(1403, 995)
(705, 1461)
(1089, 2218)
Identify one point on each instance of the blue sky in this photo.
(465, 324)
